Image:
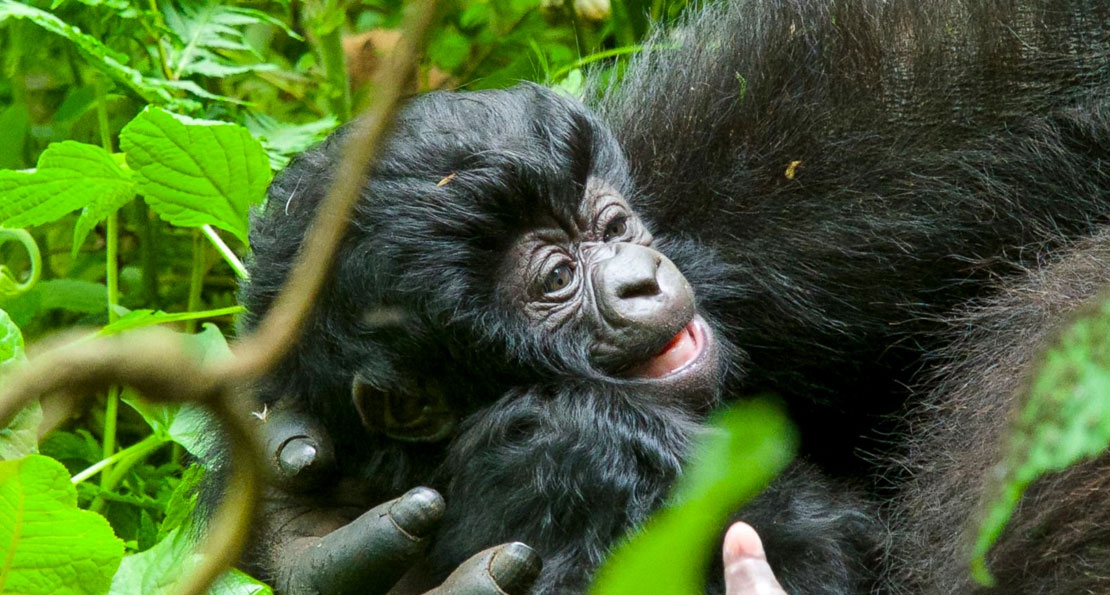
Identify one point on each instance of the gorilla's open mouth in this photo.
(685, 348)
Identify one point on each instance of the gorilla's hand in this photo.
(299, 452)
(318, 551)
(746, 569)
(369, 554)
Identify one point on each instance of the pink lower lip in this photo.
(679, 352)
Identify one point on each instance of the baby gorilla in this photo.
(507, 321)
(498, 290)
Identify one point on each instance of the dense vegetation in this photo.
(134, 138)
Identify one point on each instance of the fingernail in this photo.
(296, 454)
(515, 567)
(742, 541)
(418, 511)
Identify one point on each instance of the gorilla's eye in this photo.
(558, 279)
(615, 228)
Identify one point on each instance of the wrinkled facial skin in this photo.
(598, 275)
(497, 247)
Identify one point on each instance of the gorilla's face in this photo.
(500, 225)
(598, 272)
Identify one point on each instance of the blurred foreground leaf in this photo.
(748, 445)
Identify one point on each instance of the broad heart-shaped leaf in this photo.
(194, 172)
(744, 450)
(1066, 419)
(51, 546)
(70, 175)
(157, 571)
(21, 436)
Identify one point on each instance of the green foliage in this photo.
(205, 99)
(10, 283)
(100, 56)
(203, 29)
(194, 172)
(69, 176)
(1065, 420)
(746, 448)
(38, 513)
(20, 437)
(157, 570)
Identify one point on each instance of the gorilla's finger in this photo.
(301, 452)
(746, 569)
(506, 569)
(369, 554)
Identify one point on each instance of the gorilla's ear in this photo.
(422, 415)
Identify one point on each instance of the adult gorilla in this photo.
(1059, 538)
(535, 305)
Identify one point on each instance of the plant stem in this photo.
(225, 252)
(120, 464)
(196, 280)
(111, 408)
(335, 69)
(148, 257)
(98, 466)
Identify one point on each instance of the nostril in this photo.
(637, 288)
(637, 273)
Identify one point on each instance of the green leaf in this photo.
(97, 54)
(182, 503)
(476, 14)
(11, 343)
(747, 446)
(157, 570)
(69, 294)
(140, 318)
(99, 210)
(20, 438)
(74, 295)
(189, 425)
(70, 175)
(195, 172)
(282, 140)
(449, 49)
(1065, 420)
(51, 546)
(204, 29)
(78, 447)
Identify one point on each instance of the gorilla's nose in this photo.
(642, 296)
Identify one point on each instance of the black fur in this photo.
(940, 145)
(828, 175)
(1059, 538)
